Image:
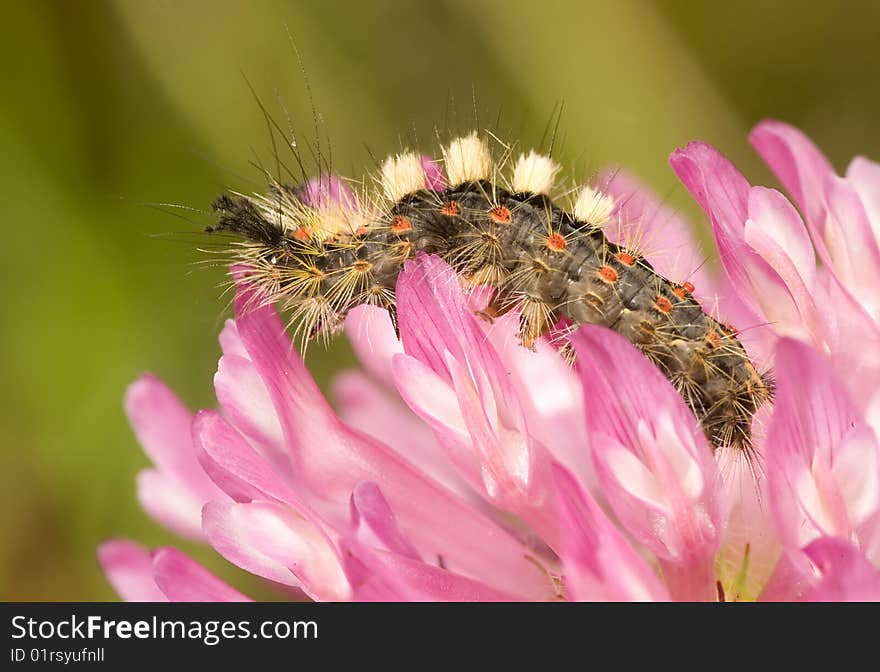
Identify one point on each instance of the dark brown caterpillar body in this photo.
(542, 261)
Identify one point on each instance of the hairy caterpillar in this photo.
(550, 264)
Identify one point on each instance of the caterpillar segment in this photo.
(500, 228)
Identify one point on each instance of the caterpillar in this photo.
(497, 225)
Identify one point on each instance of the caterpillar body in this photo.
(319, 257)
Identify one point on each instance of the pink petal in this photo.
(129, 570)
(845, 573)
(841, 230)
(775, 231)
(506, 464)
(847, 324)
(651, 457)
(780, 222)
(272, 541)
(230, 341)
(371, 409)
(800, 166)
(338, 204)
(184, 580)
(170, 504)
(245, 401)
(723, 193)
(234, 465)
(435, 180)
(368, 407)
(750, 550)
(550, 395)
(851, 243)
(325, 190)
(791, 580)
(383, 576)
(715, 184)
(822, 459)
(375, 523)
(382, 565)
(292, 544)
(598, 562)
(434, 401)
(162, 425)
(855, 467)
(372, 336)
(435, 319)
(864, 175)
(328, 459)
(306, 419)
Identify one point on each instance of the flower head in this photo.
(461, 466)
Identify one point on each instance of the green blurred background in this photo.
(107, 106)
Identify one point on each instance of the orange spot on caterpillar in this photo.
(626, 258)
(608, 274)
(688, 287)
(302, 234)
(556, 242)
(730, 330)
(401, 224)
(713, 339)
(361, 230)
(663, 304)
(500, 215)
(451, 208)
(679, 292)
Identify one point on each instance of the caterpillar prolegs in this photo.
(320, 256)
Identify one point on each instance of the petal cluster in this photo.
(458, 465)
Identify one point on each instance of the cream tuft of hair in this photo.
(534, 173)
(592, 206)
(467, 159)
(402, 174)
